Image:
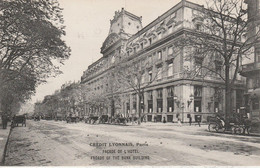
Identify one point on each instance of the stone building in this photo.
(251, 70)
(174, 93)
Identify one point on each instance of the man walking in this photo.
(4, 121)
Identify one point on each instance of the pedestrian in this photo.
(190, 120)
(4, 121)
(199, 119)
(155, 119)
(164, 120)
(179, 122)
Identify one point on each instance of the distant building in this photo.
(174, 93)
(252, 70)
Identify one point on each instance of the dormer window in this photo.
(113, 59)
(159, 35)
(142, 46)
(198, 27)
(150, 41)
(170, 28)
(134, 50)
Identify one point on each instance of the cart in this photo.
(20, 119)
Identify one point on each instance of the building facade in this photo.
(251, 70)
(175, 94)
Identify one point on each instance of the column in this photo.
(165, 110)
(154, 103)
(137, 105)
(145, 106)
(145, 103)
(131, 104)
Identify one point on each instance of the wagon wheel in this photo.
(233, 130)
(239, 130)
(219, 128)
(248, 130)
(211, 127)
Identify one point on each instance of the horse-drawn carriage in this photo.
(72, 118)
(237, 124)
(104, 119)
(20, 119)
(92, 119)
(119, 120)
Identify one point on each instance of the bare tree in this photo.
(219, 44)
(131, 75)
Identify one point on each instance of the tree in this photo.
(30, 41)
(219, 44)
(131, 76)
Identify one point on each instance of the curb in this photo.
(2, 162)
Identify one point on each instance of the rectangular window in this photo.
(170, 91)
(170, 104)
(198, 67)
(159, 94)
(197, 98)
(170, 100)
(142, 78)
(159, 105)
(170, 69)
(159, 75)
(198, 91)
(159, 55)
(150, 95)
(128, 108)
(150, 106)
(150, 73)
(255, 104)
(197, 105)
(150, 101)
(150, 59)
(216, 107)
(239, 98)
(159, 100)
(170, 50)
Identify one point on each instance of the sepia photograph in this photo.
(129, 83)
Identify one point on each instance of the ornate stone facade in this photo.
(252, 70)
(176, 93)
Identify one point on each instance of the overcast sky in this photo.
(87, 25)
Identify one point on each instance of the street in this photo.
(53, 143)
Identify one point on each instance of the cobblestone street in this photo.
(50, 143)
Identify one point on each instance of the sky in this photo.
(87, 25)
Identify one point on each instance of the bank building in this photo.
(173, 93)
(251, 70)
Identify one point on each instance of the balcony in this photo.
(250, 69)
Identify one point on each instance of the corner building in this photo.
(174, 93)
(251, 70)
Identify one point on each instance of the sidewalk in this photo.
(4, 133)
